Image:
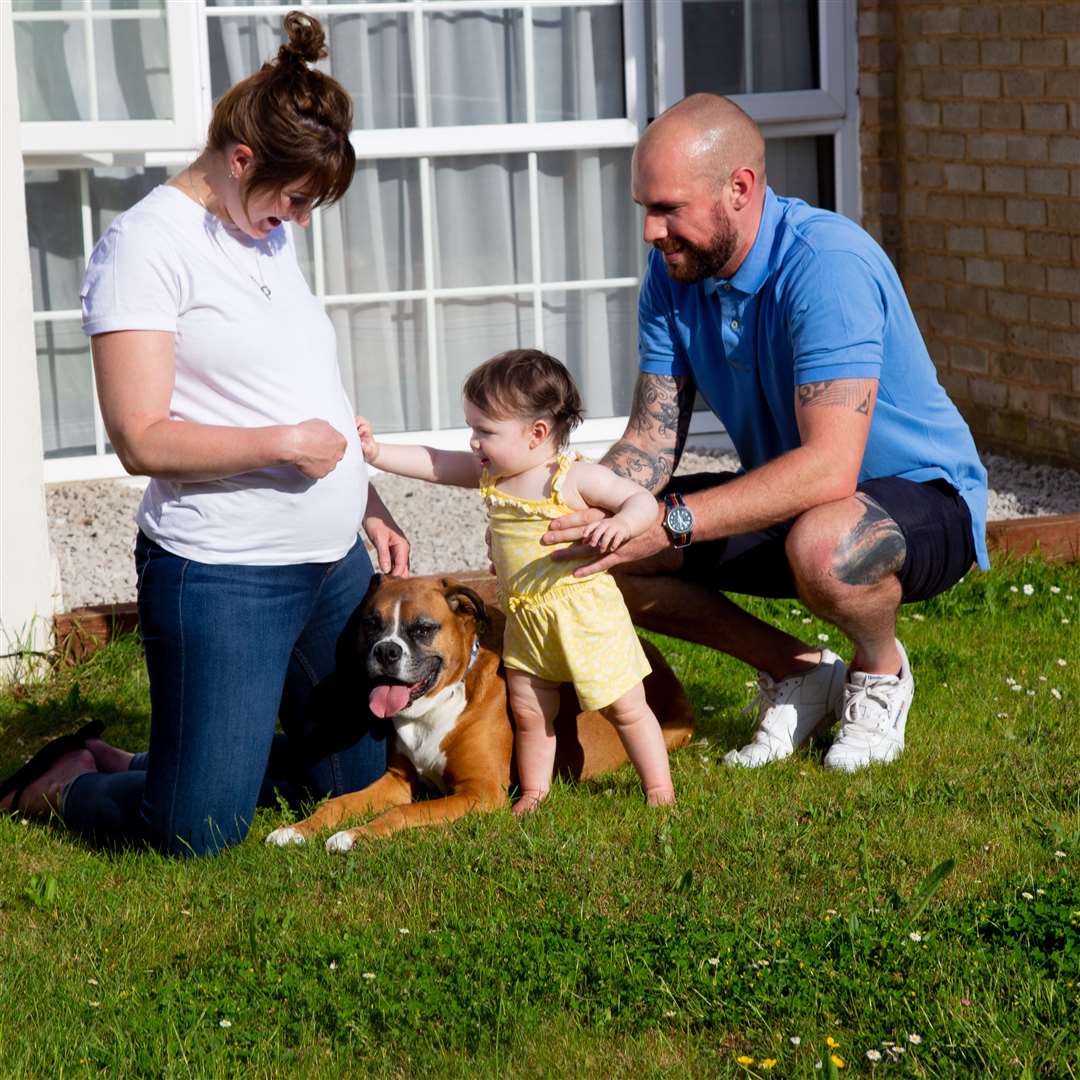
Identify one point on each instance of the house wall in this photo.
(970, 143)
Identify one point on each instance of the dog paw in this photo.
(284, 836)
(340, 842)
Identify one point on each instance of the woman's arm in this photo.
(454, 467)
(391, 547)
(135, 371)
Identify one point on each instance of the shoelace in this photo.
(769, 693)
(867, 710)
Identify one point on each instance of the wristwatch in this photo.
(678, 520)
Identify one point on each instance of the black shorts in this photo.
(934, 519)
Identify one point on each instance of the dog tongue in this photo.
(388, 700)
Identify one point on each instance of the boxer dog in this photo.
(428, 652)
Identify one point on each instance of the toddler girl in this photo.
(521, 407)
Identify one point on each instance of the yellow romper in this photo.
(558, 627)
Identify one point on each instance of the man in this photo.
(862, 486)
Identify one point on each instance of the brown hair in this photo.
(295, 119)
(526, 383)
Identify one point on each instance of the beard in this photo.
(701, 261)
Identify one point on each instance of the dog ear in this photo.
(463, 599)
(373, 587)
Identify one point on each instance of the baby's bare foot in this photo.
(528, 802)
(42, 797)
(109, 759)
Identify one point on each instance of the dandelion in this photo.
(767, 1063)
(914, 1039)
(1027, 896)
(837, 1060)
(1029, 590)
(795, 1040)
(873, 1055)
(368, 975)
(915, 936)
(831, 1043)
(225, 1023)
(823, 637)
(745, 1059)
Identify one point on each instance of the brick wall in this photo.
(970, 142)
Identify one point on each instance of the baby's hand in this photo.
(368, 443)
(607, 534)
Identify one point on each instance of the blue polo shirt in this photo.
(815, 299)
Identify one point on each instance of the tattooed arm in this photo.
(652, 444)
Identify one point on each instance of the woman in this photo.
(217, 377)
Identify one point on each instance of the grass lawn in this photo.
(921, 919)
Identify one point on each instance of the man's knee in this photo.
(846, 543)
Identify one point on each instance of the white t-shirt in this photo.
(241, 360)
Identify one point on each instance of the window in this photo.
(490, 207)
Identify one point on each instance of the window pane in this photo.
(382, 351)
(469, 332)
(238, 47)
(47, 5)
(750, 46)
(482, 221)
(128, 5)
(476, 67)
(67, 397)
(132, 64)
(54, 227)
(594, 332)
(372, 57)
(802, 167)
(589, 225)
(372, 237)
(50, 59)
(112, 191)
(579, 63)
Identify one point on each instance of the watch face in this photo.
(680, 520)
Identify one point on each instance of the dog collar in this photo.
(472, 655)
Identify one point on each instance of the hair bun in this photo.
(307, 41)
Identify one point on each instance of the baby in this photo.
(521, 407)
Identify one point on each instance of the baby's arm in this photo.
(634, 508)
(457, 468)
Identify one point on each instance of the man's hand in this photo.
(573, 527)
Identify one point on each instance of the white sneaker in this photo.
(791, 711)
(873, 718)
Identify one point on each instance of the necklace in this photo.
(260, 281)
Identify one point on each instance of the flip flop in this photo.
(44, 760)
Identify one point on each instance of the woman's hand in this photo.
(314, 447)
(368, 443)
(391, 547)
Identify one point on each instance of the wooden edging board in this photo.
(83, 630)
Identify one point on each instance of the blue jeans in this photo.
(229, 651)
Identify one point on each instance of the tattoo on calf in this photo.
(628, 460)
(873, 549)
(848, 393)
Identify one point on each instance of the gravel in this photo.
(92, 533)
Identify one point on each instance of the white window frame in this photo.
(830, 110)
(826, 111)
(92, 135)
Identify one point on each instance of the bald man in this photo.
(860, 487)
